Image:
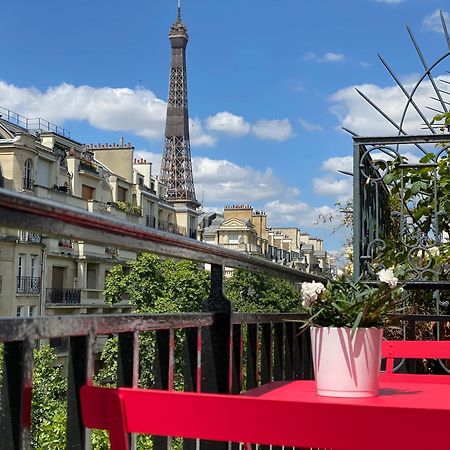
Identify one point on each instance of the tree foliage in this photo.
(256, 292)
(156, 285)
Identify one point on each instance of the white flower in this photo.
(434, 251)
(387, 276)
(310, 293)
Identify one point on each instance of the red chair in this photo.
(164, 413)
(414, 350)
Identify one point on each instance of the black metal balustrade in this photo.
(215, 358)
(26, 236)
(65, 296)
(28, 285)
(150, 221)
(86, 166)
(170, 227)
(28, 184)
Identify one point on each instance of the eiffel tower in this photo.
(176, 165)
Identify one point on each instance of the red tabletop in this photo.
(404, 416)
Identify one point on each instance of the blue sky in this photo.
(270, 84)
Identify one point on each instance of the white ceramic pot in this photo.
(346, 367)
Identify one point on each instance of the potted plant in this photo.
(346, 320)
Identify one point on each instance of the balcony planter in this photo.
(346, 366)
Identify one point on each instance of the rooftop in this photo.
(33, 125)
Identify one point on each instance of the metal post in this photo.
(216, 345)
(356, 213)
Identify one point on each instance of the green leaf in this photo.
(356, 323)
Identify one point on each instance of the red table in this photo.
(403, 416)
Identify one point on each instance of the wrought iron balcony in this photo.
(150, 221)
(65, 296)
(26, 236)
(87, 166)
(28, 285)
(170, 227)
(28, 184)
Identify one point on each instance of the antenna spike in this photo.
(179, 9)
(350, 131)
(425, 66)
(391, 121)
(408, 96)
(444, 27)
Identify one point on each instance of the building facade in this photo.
(244, 229)
(47, 275)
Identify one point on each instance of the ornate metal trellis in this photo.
(401, 213)
(382, 214)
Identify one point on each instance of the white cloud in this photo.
(152, 157)
(333, 57)
(357, 115)
(309, 126)
(197, 135)
(280, 212)
(223, 180)
(328, 57)
(432, 22)
(228, 123)
(301, 214)
(339, 188)
(336, 163)
(277, 130)
(137, 111)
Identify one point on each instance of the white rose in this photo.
(310, 293)
(387, 276)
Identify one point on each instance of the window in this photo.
(234, 238)
(19, 311)
(28, 175)
(33, 266)
(31, 310)
(21, 265)
(87, 192)
(2, 180)
(121, 194)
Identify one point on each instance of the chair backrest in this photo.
(417, 350)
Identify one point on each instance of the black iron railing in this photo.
(150, 221)
(28, 184)
(26, 236)
(215, 358)
(66, 296)
(28, 285)
(87, 166)
(170, 227)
